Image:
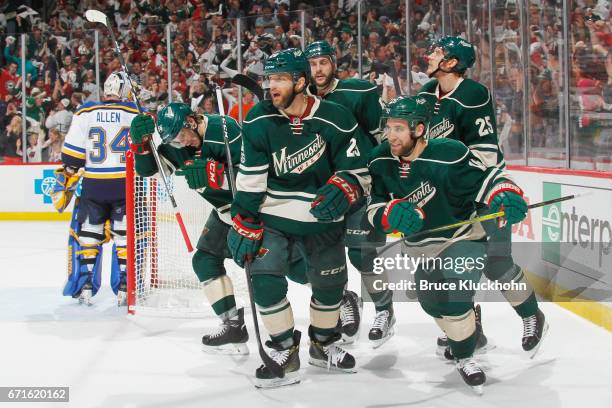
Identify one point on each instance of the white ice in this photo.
(111, 360)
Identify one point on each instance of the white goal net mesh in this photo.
(160, 273)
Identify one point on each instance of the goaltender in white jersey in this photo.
(98, 142)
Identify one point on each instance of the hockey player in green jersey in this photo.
(362, 99)
(300, 172)
(463, 110)
(421, 184)
(193, 146)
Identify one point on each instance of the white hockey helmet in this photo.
(118, 85)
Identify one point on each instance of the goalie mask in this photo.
(118, 85)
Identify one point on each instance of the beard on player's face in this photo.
(400, 137)
(322, 71)
(283, 90)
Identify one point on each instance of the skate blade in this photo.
(121, 299)
(377, 343)
(323, 364)
(288, 379)
(478, 389)
(232, 349)
(86, 298)
(536, 349)
(478, 352)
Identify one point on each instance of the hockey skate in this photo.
(326, 354)
(534, 329)
(86, 296)
(382, 328)
(229, 338)
(472, 374)
(122, 295)
(350, 316)
(288, 359)
(482, 343)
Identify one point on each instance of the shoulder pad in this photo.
(335, 114)
(86, 105)
(355, 84)
(445, 150)
(471, 94)
(262, 108)
(383, 150)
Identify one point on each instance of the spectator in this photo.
(52, 148)
(13, 140)
(60, 118)
(9, 81)
(247, 104)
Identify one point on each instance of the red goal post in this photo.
(160, 275)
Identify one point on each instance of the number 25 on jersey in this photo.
(484, 126)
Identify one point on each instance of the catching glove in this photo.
(63, 189)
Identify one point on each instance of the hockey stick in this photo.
(96, 16)
(486, 217)
(271, 364)
(396, 84)
(250, 84)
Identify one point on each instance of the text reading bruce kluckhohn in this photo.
(458, 265)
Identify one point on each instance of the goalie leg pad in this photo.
(91, 237)
(119, 261)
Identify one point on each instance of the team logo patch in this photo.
(422, 194)
(404, 169)
(262, 252)
(442, 129)
(301, 160)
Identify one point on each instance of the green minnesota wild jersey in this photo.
(362, 99)
(465, 114)
(447, 181)
(213, 147)
(285, 160)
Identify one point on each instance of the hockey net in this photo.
(161, 280)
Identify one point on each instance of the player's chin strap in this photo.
(440, 69)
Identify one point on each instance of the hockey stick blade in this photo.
(96, 16)
(250, 84)
(486, 217)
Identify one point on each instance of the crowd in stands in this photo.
(202, 51)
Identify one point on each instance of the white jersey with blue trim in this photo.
(98, 141)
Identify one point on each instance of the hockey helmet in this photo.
(458, 48)
(171, 119)
(291, 61)
(117, 84)
(320, 49)
(413, 109)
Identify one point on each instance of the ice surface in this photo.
(111, 360)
